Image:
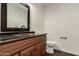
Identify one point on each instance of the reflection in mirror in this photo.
(16, 15)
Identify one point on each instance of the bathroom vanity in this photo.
(24, 45)
(16, 17)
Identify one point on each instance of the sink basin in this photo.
(7, 38)
(23, 35)
(19, 35)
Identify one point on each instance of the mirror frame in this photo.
(4, 18)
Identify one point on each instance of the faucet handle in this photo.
(22, 26)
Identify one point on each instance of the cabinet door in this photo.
(27, 52)
(39, 49)
(36, 50)
(43, 48)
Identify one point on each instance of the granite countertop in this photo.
(16, 37)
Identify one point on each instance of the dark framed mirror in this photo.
(15, 16)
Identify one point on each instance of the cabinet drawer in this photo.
(27, 52)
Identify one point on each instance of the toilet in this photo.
(50, 46)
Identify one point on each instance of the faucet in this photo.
(22, 28)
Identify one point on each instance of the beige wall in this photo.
(37, 18)
(63, 20)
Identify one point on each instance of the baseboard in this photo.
(69, 51)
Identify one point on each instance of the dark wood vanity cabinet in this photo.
(39, 49)
(36, 50)
(16, 54)
(34, 46)
(27, 52)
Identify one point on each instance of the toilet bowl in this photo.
(50, 46)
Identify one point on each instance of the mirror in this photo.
(15, 16)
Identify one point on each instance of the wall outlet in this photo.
(63, 38)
